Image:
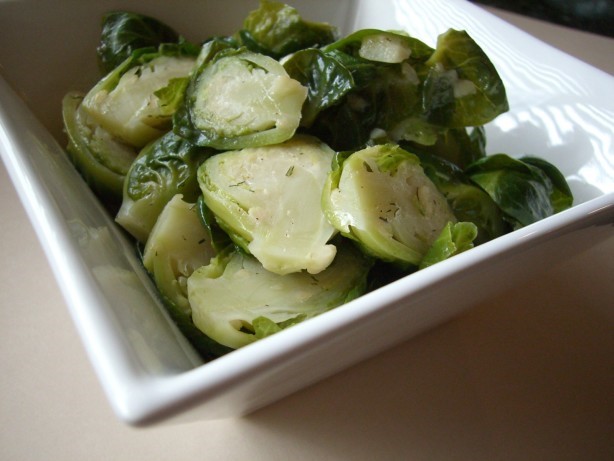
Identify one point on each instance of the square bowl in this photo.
(561, 110)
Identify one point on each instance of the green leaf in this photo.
(454, 145)
(326, 79)
(521, 190)
(561, 196)
(164, 168)
(454, 239)
(124, 32)
(462, 87)
(171, 96)
(219, 238)
(354, 44)
(384, 100)
(468, 201)
(277, 29)
(264, 326)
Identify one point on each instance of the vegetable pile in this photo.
(275, 173)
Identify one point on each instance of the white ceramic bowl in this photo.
(562, 110)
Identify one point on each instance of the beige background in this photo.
(526, 375)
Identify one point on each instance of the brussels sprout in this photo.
(177, 246)
(277, 29)
(454, 239)
(240, 99)
(524, 192)
(125, 102)
(269, 200)
(380, 197)
(124, 32)
(405, 91)
(384, 98)
(381, 93)
(238, 316)
(164, 168)
(102, 160)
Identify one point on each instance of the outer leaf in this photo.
(384, 102)
(358, 44)
(561, 196)
(124, 32)
(264, 326)
(468, 201)
(454, 145)
(454, 239)
(277, 29)
(219, 238)
(171, 96)
(326, 79)
(521, 190)
(163, 169)
(463, 87)
(384, 98)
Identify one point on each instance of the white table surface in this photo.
(526, 375)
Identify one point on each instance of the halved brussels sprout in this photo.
(165, 167)
(380, 197)
(234, 296)
(240, 99)
(125, 104)
(102, 160)
(177, 246)
(269, 200)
